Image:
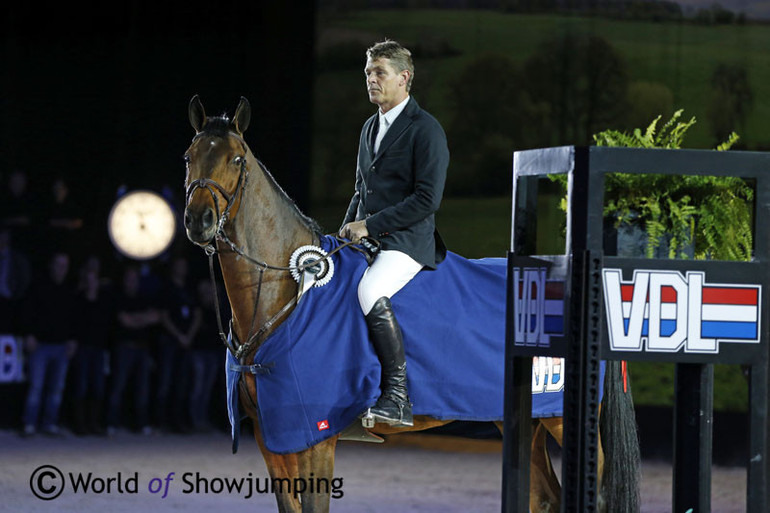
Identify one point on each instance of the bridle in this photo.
(237, 349)
(210, 185)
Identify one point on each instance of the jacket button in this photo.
(369, 191)
(373, 168)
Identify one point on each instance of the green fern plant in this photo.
(711, 215)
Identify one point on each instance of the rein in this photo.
(240, 350)
(237, 349)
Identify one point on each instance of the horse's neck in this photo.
(268, 228)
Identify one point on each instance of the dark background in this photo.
(99, 96)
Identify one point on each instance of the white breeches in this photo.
(390, 271)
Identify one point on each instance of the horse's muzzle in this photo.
(201, 224)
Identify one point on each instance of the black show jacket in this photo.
(399, 190)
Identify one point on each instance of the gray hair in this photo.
(400, 57)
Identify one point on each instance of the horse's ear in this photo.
(197, 114)
(242, 116)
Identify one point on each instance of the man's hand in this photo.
(354, 231)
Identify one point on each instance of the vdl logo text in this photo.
(663, 311)
(538, 307)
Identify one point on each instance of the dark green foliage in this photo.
(582, 80)
(433, 47)
(493, 115)
(711, 215)
(342, 56)
(731, 99)
(646, 99)
(572, 86)
(716, 15)
(654, 385)
(718, 210)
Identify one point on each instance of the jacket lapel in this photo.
(401, 123)
(372, 123)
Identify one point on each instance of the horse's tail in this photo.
(620, 478)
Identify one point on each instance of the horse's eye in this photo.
(238, 160)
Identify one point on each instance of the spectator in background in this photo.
(17, 210)
(93, 327)
(48, 315)
(65, 220)
(207, 359)
(15, 276)
(135, 317)
(181, 319)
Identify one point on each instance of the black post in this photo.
(759, 440)
(693, 426)
(517, 434)
(581, 388)
(517, 416)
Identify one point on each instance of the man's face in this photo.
(385, 85)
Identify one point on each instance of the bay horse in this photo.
(235, 208)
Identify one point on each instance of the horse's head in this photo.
(217, 169)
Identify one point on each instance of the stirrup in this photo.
(369, 419)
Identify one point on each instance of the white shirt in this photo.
(386, 120)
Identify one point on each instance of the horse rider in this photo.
(402, 164)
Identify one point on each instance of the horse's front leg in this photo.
(283, 471)
(316, 472)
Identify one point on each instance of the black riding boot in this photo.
(393, 406)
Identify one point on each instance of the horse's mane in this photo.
(219, 126)
(311, 223)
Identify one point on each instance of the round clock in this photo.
(141, 225)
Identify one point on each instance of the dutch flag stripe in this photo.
(727, 312)
(731, 313)
(730, 296)
(729, 330)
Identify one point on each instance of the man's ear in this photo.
(405, 77)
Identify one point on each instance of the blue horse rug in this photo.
(319, 371)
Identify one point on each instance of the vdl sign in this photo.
(663, 311)
(692, 313)
(657, 311)
(538, 306)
